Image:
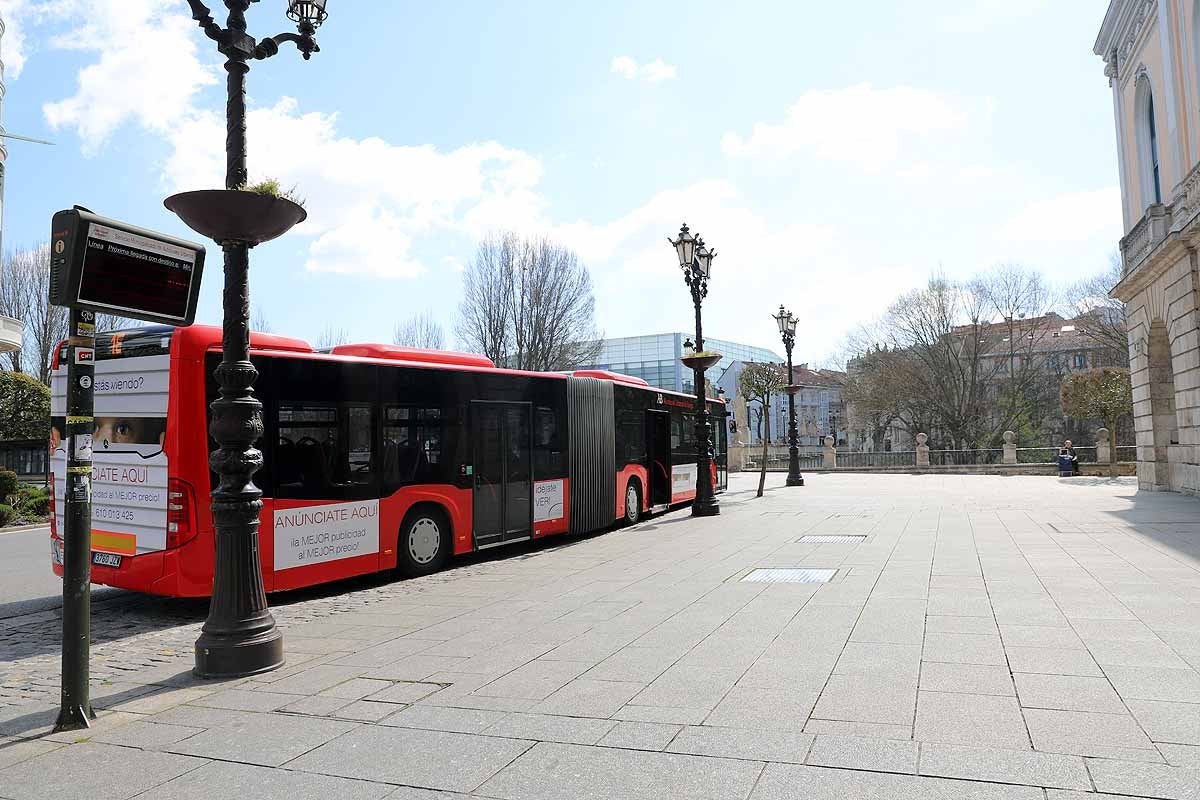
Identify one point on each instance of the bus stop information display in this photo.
(110, 267)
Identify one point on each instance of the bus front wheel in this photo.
(424, 542)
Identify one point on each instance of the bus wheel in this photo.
(424, 545)
(633, 503)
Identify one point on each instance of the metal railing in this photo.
(777, 457)
(883, 458)
(965, 458)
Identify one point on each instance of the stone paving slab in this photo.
(989, 638)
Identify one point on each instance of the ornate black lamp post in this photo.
(239, 637)
(787, 329)
(696, 261)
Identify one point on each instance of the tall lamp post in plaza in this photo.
(787, 329)
(239, 637)
(695, 259)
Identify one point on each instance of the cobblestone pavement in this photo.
(138, 635)
(979, 638)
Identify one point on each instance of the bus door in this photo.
(721, 450)
(658, 455)
(503, 466)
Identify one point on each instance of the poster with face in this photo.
(129, 462)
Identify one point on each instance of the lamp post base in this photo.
(236, 656)
(74, 718)
(795, 480)
(708, 507)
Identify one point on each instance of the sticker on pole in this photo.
(82, 446)
(85, 355)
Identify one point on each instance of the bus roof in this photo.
(195, 341)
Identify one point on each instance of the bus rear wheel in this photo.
(424, 542)
(633, 503)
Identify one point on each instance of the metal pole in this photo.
(239, 637)
(705, 504)
(794, 477)
(75, 710)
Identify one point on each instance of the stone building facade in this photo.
(1151, 50)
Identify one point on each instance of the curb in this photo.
(18, 529)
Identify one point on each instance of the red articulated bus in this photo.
(375, 457)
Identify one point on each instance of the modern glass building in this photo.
(655, 358)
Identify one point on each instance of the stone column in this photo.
(1010, 447)
(829, 454)
(922, 450)
(1103, 451)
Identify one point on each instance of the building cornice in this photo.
(1123, 25)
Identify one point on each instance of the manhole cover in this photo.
(790, 575)
(831, 539)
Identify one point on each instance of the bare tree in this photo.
(1099, 317)
(259, 321)
(25, 295)
(332, 337)
(528, 304)
(758, 383)
(420, 330)
(1025, 393)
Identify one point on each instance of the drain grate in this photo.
(831, 538)
(790, 575)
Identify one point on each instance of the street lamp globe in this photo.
(704, 258)
(685, 246)
(781, 319)
(791, 324)
(311, 12)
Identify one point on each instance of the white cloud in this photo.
(651, 72)
(369, 201)
(365, 194)
(1068, 218)
(15, 47)
(859, 124)
(151, 83)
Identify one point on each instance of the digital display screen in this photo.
(130, 273)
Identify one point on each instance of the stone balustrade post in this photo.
(1103, 450)
(922, 450)
(1010, 447)
(829, 454)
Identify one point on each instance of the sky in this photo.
(835, 155)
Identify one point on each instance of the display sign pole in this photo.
(76, 711)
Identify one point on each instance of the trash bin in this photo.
(1066, 468)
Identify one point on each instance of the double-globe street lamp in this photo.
(695, 259)
(787, 329)
(239, 637)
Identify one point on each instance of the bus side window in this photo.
(412, 444)
(547, 447)
(676, 431)
(359, 465)
(631, 434)
(306, 454)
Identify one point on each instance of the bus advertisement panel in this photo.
(129, 473)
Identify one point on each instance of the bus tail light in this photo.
(181, 513)
(53, 509)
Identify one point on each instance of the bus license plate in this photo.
(106, 559)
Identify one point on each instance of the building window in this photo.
(1080, 360)
(1147, 142)
(1154, 152)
